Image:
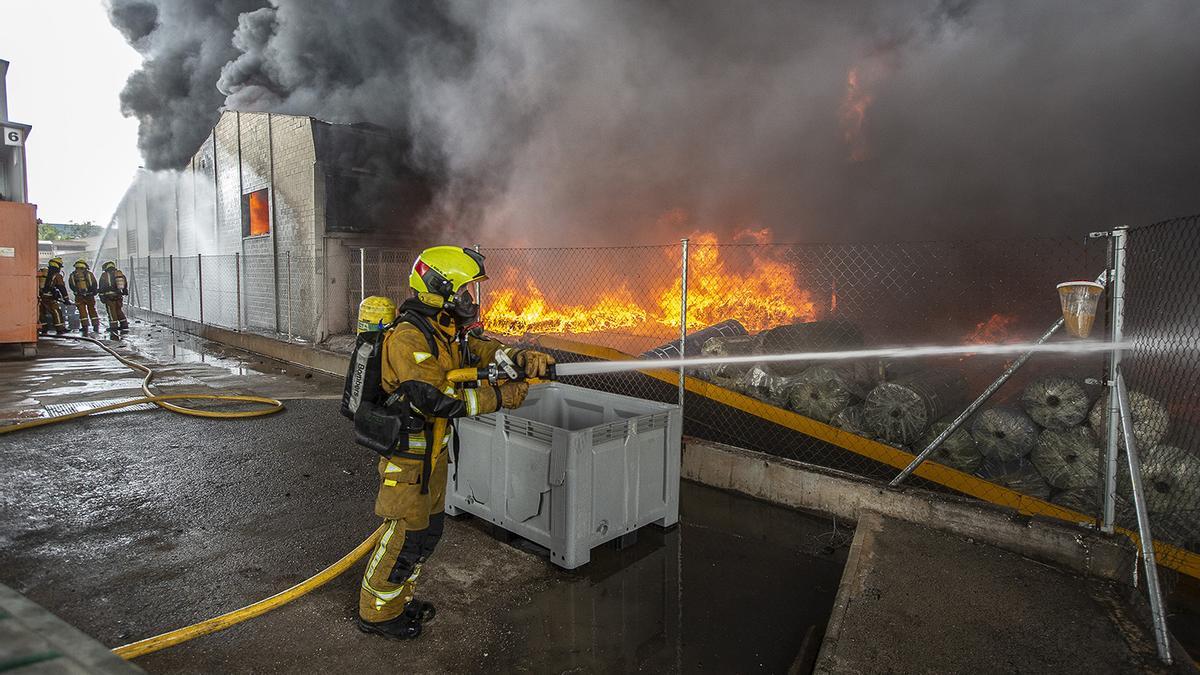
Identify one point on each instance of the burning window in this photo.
(256, 213)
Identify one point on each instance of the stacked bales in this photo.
(1150, 420)
(814, 336)
(1004, 434)
(851, 419)
(1069, 459)
(1057, 402)
(901, 411)
(958, 451)
(822, 391)
(726, 374)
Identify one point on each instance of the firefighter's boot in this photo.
(96, 326)
(83, 328)
(420, 610)
(403, 627)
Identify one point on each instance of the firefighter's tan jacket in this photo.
(409, 365)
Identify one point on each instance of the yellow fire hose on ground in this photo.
(153, 644)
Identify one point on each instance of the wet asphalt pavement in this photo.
(130, 524)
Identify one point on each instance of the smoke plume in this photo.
(584, 121)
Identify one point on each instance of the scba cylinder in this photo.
(375, 313)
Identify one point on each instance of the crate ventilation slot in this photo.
(528, 429)
(652, 422)
(609, 432)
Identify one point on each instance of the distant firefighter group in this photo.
(53, 295)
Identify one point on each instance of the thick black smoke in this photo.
(572, 121)
(184, 43)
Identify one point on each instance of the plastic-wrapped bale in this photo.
(814, 336)
(851, 419)
(958, 451)
(1150, 420)
(694, 343)
(737, 345)
(1004, 433)
(823, 391)
(764, 384)
(1057, 402)
(1171, 480)
(901, 411)
(1019, 475)
(1070, 459)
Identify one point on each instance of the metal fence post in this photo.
(237, 277)
(137, 300)
(288, 254)
(171, 281)
(683, 298)
(1161, 636)
(200, 279)
(149, 283)
(478, 292)
(362, 274)
(1116, 298)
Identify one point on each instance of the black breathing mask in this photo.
(464, 309)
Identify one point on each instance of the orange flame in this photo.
(995, 329)
(761, 293)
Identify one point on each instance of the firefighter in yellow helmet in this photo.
(438, 331)
(113, 289)
(83, 284)
(52, 292)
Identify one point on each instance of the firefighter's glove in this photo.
(512, 394)
(535, 364)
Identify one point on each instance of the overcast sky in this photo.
(68, 67)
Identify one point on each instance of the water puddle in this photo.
(738, 586)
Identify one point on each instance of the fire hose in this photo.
(495, 373)
(168, 639)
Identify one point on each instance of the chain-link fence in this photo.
(274, 295)
(1032, 446)
(1162, 373)
(377, 271)
(1037, 445)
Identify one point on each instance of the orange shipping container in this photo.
(18, 273)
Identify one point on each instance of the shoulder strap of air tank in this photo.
(422, 324)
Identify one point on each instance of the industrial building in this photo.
(279, 205)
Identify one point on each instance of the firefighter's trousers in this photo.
(116, 312)
(87, 312)
(393, 567)
(53, 313)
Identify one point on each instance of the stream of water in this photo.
(1067, 348)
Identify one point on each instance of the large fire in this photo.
(757, 290)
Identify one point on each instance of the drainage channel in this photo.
(738, 586)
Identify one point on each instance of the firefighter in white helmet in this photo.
(438, 331)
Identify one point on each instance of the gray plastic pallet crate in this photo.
(570, 469)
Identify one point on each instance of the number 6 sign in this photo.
(13, 136)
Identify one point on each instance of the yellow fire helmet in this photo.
(81, 264)
(444, 270)
(109, 265)
(55, 262)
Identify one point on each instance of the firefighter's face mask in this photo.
(463, 307)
